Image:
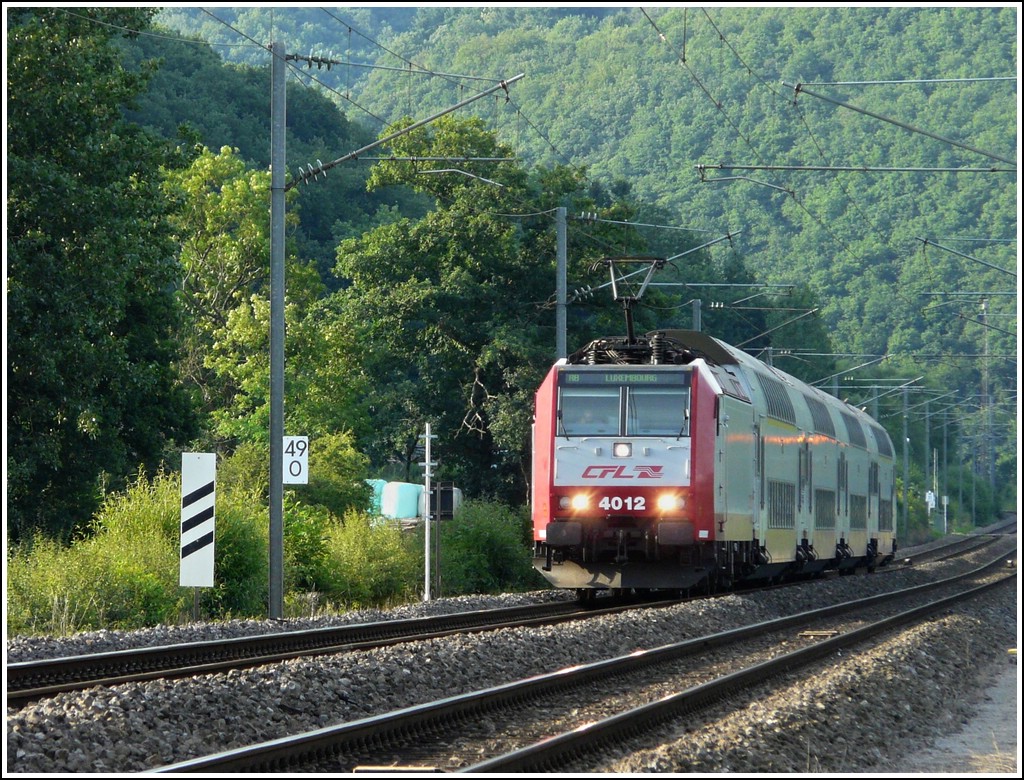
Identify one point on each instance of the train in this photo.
(673, 461)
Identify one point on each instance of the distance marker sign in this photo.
(295, 469)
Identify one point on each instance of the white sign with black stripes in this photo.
(198, 494)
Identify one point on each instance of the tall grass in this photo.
(123, 573)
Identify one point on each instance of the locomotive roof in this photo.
(669, 347)
(681, 347)
(701, 344)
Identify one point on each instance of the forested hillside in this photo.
(868, 245)
(897, 209)
(646, 97)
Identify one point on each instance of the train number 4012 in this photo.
(616, 503)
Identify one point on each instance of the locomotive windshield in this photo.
(590, 411)
(612, 403)
(658, 411)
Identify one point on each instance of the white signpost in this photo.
(295, 470)
(428, 466)
(198, 499)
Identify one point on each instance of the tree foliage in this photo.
(647, 97)
(220, 225)
(442, 336)
(442, 305)
(195, 99)
(91, 313)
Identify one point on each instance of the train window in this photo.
(658, 411)
(589, 411)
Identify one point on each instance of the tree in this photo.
(449, 310)
(220, 222)
(91, 312)
(221, 225)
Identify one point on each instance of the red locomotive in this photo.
(674, 461)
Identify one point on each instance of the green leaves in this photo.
(92, 315)
(444, 311)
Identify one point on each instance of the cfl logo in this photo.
(622, 472)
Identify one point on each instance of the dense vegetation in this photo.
(138, 239)
(91, 313)
(913, 260)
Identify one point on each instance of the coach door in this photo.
(735, 476)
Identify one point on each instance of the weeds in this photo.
(123, 573)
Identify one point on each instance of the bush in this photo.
(308, 564)
(247, 468)
(241, 560)
(336, 475)
(484, 549)
(370, 563)
(123, 575)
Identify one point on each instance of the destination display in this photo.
(674, 377)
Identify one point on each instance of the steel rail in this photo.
(32, 680)
(553, 753)
(360, 736)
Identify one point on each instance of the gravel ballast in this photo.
(858, 714)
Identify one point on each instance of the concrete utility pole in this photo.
(927, 446)
(560, 284)
(278, 188)
(277, 206)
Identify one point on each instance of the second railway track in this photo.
(31, 680)
(452, 734)
(28, 681)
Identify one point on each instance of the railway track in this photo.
(475, 732)
(951, 549)
(728, 685)
(30, 681)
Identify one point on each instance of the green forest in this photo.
(835, 190)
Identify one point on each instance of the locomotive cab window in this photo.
(658, 411)
(589, 411)
(614, 403)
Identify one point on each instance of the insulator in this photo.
(658, 348)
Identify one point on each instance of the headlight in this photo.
(580, 501)
(622, 449)
(669, 502)
(563, 502)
